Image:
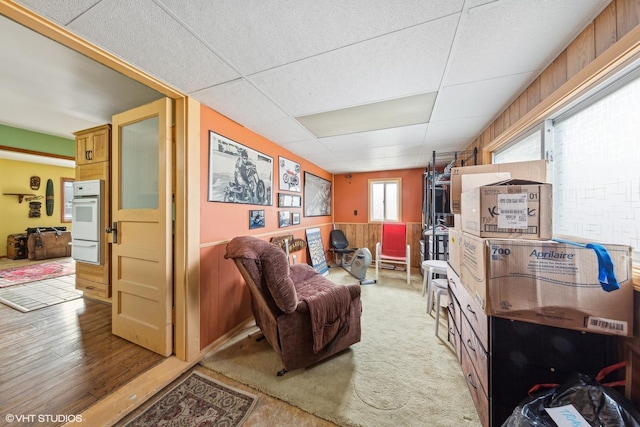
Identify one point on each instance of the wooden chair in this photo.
(393, 247)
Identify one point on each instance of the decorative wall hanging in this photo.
(289, 174)
(317, 195)
(284, 219)
(256, 218)
(295, 218)
(34, 182)
(238, 174)
(316, 251)
(49, 197)
(289, 201)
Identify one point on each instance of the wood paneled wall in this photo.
(367, 235)
(613, 23)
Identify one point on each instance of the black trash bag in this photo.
(599, 405)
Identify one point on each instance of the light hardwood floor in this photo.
(63, 359)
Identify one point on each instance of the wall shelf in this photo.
(20, 195)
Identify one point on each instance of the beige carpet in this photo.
(400, 374)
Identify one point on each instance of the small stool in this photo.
(429, 268)
(439, 288)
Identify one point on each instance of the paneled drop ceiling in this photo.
(353, 86)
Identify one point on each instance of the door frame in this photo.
(186, 171)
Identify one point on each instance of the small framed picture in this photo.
(256, 218)
(295, 218)
(284, 219)
(289, 200)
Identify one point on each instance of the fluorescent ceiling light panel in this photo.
(410, 110)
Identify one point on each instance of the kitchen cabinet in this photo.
(502, 358)
(95, 279)
(93, 145)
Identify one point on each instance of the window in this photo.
(385, 199)
(596, 189)
(66, 211)
(593, 153)
(527, 148)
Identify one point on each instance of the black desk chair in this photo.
(340, 246)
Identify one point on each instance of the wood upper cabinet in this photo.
(93, 145)
(92, 162)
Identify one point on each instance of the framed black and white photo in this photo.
(256, 218)
(295, 218)
(284, 219)
(317, 195)
(289, 175)
(237, 173)
(289, 200)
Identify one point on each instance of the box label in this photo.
(512, 211)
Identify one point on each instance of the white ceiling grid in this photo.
(264, 63)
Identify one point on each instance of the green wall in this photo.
(34, 141)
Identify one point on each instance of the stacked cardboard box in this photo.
(512, 269)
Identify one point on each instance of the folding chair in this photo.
(393, 247)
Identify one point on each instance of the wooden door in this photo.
(142, 273)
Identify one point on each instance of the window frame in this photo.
(374, 181)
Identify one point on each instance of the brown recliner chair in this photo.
(303, 315)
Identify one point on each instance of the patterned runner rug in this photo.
(197, 400)
(30, 273)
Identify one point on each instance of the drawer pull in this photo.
(471, 383)
(470, 346)
(90, 287)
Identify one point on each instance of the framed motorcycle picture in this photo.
(289, 174)
(238, 174)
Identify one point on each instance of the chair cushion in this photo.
(274, 265)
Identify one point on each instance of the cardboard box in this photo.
(535, 170)
(548, 282)
(454, 249)
(511, 209)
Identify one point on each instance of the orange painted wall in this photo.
(351, 194)
(224, 298)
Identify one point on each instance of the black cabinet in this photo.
(525, 354)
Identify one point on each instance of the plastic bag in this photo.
(598, 404)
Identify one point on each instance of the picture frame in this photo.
(317, 195)
(237, 173)
(289, 175)
(256, 218)
(289, 200)
(284, 219)
(295, 218)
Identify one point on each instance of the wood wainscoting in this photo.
(367, 235)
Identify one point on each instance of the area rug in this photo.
(198, 400)
(29, 273)
(44, 293)
(400, 374)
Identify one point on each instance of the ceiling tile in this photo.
(513, 36)
(465, 129)
(62, 12)
(255, 35)
(379, 69)
(151, 39)
(239, 99)
(478, 98)
(407, 135)
(282, 131)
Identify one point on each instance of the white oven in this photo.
(86, 222)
